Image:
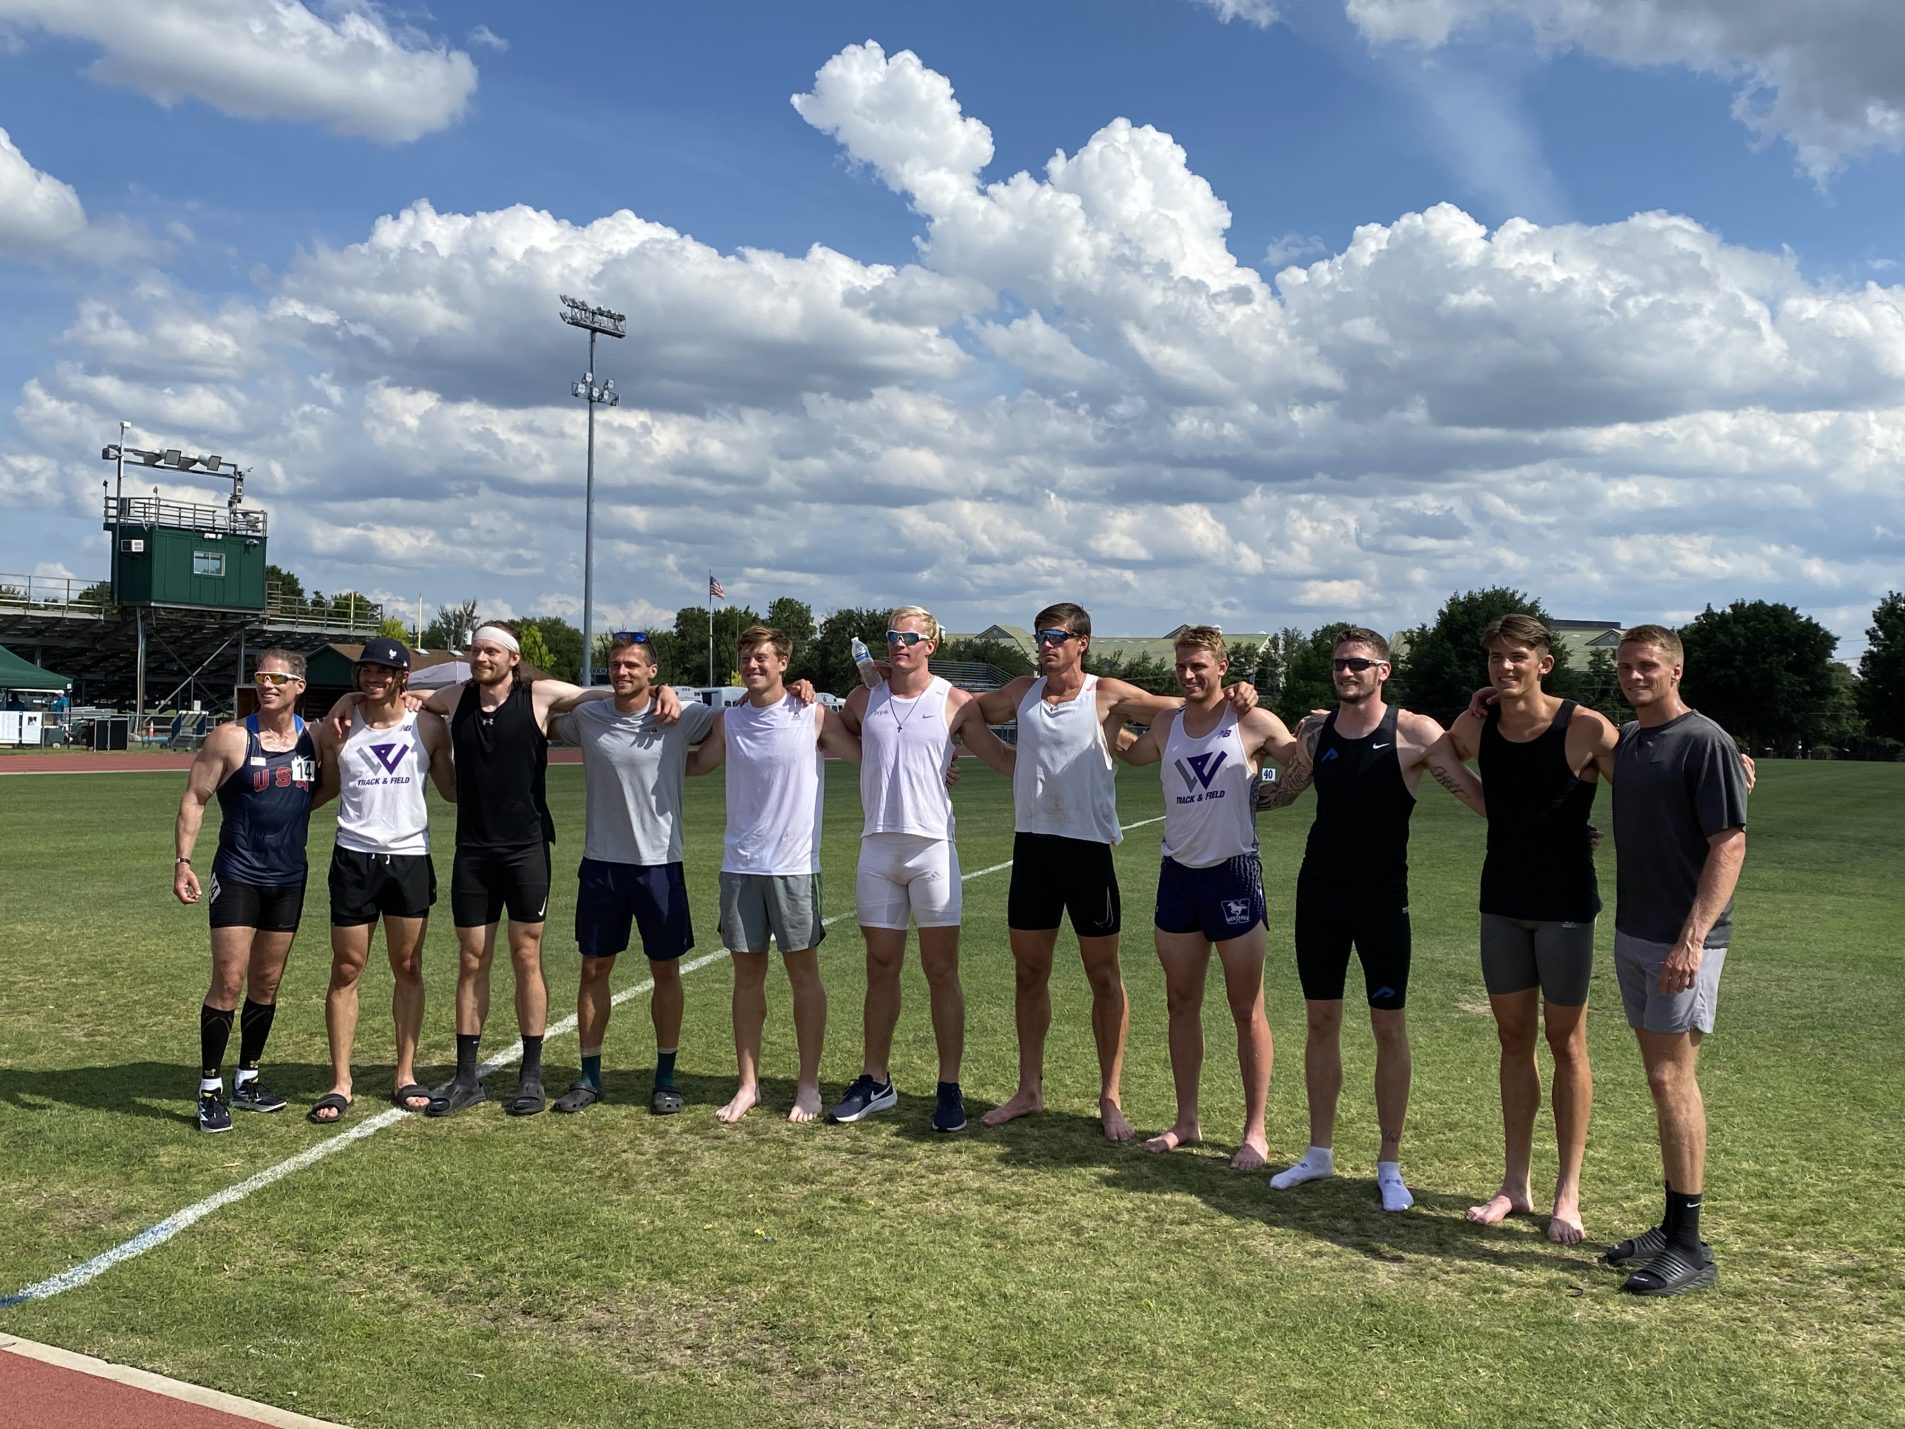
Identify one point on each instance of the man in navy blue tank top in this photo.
(1366, 760)
(263, 771)
(1538, 755)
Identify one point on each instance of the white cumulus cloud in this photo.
(37, 210)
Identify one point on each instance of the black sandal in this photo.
(404, 1095)
(528, 1099)
(330, 1101)
(665, 1101)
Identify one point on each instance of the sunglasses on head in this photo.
(631, 637)
(1052, 637)
(272, 677)
(904, 637)
(1354, 662)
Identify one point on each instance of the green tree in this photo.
(996, 653)
(794, 619)
(1882, 670)
(833, 666)
(284, 584)
(451, 627)
(1446, 661)
(1600, 686)
(535, 649)
(392, 628)
(684, 655)
(1762, 670)
(1306, 682)
(562, 642)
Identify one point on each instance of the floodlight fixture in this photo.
(592, 319)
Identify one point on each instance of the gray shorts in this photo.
(1520, 953)
(1637, 964)
(787, 905)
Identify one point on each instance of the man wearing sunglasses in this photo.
(771, 745)
(263, 770)
(1210, 880)
(1366, 759)
(631, 873)
(499, 730)
(909, 865)
(1065, 817)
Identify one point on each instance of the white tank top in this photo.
(1207, 794)
(1064, 782)
(380, 799)
(775, 788)
(905, 750)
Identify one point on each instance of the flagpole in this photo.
(710, 629)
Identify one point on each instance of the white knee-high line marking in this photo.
(157, 1235)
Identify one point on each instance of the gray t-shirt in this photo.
(1675, 786)
(632, 769)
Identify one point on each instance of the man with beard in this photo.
(1366, 758)
(263, 770)
(1065, 817)
(381, 865)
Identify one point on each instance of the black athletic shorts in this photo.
(273, 909)
(1329, 924)
(1053, 876)
(364, 885)
(485, 881)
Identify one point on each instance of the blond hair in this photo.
(1203, 637)
(924, 616)
(1658, 636)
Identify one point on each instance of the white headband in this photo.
(496, 635)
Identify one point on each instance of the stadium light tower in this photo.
(593, 320)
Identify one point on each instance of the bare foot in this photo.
(1022, 1103)
(744, 1101)
(1500, 1206)
(806, 1103)
(1564, 1226)
(1179, 1135)
(1111, 1117)
(1253, 1155)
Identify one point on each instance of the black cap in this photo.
(385, 651)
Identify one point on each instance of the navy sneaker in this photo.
(253, 1095)
(864, 1098)
(212, 1113)
(949, 1110)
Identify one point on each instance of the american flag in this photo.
(715, 588)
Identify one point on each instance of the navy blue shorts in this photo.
(1222, 902)
(651, 896)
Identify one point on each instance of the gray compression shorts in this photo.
(1520, 953)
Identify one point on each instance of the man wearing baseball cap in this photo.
(381, 865)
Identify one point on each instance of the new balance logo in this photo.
(390, 755)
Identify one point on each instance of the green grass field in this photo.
(616, 1268)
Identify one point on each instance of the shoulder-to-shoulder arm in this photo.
(1265, 733)
(1128, 702)
(1298, 772)
(853, 713)
(833, 735)
(967, 719)
(1466, 734)
(1431, 745)
(712, 752)
(1001, 706)
(217, 759)
(1148, 748)
(1592, 738)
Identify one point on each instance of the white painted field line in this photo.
(157, 1235)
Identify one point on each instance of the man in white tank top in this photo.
(381, 865)
(1210, 883)
(909, 866)
(771, 745)
(1065, 813)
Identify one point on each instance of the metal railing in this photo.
(184, 515)
(54, 593)
(76, 596)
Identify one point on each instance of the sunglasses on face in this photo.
(1052, 637)
(632, 637)
(903, 637)
(272, 677)
(1354, 662)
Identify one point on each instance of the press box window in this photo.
(208, 563)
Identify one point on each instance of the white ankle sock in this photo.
(1395, 1195)
(1317, 1162)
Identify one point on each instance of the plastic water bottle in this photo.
(863, 662)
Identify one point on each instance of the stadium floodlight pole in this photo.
(593, 320)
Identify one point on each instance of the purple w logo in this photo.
(1200, 769)
(390, 755)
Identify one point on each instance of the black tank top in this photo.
(1539, 865)
(1359, 843)
(265, 811)
(502, 758)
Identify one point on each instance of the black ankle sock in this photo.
(532, 1057)
(254, 1025)
(466, 1055)
(214, 1031)
(1682, 1224)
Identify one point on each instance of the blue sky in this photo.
(1630, 418)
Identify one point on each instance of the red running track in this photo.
(48, 1388)
(180, 760)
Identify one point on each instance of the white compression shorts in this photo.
(908, 875)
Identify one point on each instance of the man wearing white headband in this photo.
(499, 728)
